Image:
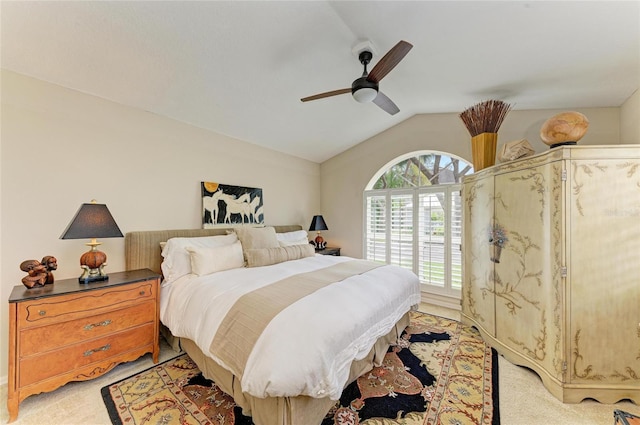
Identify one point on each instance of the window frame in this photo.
(448, 189)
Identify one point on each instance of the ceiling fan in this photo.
(365, 89)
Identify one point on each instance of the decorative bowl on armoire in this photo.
(565, 128)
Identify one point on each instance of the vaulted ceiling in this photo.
(240, 68)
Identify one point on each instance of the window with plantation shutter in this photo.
(431, 240)
(413, 219)
(401, 230)
(376, 225)
(456, 238)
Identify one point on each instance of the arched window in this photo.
(413, 217)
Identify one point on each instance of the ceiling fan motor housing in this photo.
(363, 83)
(362, 89)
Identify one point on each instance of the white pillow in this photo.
(177, 261)
(298, 237)
(304, 241)
(207, 260)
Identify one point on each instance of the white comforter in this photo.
(308, 348)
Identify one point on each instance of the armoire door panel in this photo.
(528, 286)
(478, 301)
(604, 253)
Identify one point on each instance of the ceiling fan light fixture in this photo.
(365, 88)
(365, 94)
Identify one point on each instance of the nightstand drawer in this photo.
(45, 338)
(85, 304)
(42, 366)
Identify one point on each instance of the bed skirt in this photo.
(287, 410)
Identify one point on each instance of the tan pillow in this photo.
(257, 237)
(268, 256)
(207, 260)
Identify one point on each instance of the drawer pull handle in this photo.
(95, 325)
(95, 350)
(42, 312)
(141, 292)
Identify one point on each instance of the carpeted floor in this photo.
(440, 372)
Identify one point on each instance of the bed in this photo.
(340, 329)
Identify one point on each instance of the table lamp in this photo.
(318, 224)
(92, 221)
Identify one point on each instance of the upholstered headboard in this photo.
(142, 248)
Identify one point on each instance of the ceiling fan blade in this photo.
(386, 104)
(389, 61)
(326, 94)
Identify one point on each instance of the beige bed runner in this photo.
(252, 312)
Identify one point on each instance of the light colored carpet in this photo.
(523, 399)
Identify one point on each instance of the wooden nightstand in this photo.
(71, 331)
(330, 250)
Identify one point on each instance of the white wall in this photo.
(60, 148)
(345, 176)
(630, 120)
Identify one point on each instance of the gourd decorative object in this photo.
(483, 121)
(565, 128)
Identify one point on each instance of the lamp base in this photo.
(319, 243)
(93, 263)
(95, 278)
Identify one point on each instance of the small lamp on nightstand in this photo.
(92, 221)
(318, 224)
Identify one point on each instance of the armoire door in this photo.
(604, 266)
(529, 270)
(478, 302)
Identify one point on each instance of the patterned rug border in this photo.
(495, 377)
(112, 410)
(116, 419)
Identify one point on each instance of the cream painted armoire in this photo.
(552, 267)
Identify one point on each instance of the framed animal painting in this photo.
(224, 205)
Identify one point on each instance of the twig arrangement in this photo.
(485, 117)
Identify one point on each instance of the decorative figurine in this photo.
(515, 150)
(51, 263)
(37, 273)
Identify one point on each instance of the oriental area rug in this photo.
(440, 372)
